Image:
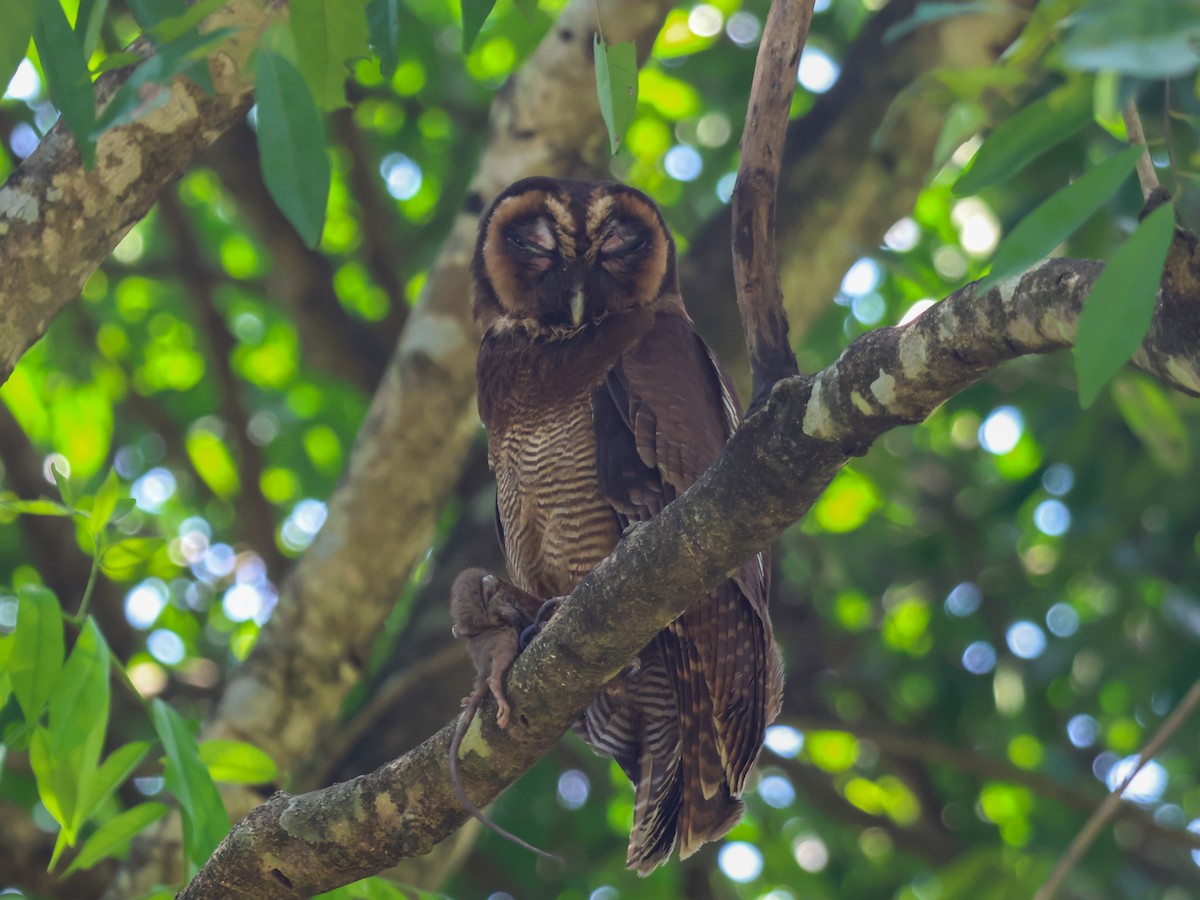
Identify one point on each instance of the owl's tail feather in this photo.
(708, 809)
(655, 812)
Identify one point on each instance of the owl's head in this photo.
(555, 254)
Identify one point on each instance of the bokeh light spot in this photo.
(1083, 730)
(818, 71)
(1062, 620)
(401, 175)
(145, 602)
(810, 853)
(573, 788)
(741, 862)
(964, 599)
(683, 163)
(776, 791)
(1052, 518)
(783, 740)
(743, 28)
(1026, 639)
(25, 84)
(705, 20)
(1147, 785)
(166, 646)
(1001, 430)
(979, 658)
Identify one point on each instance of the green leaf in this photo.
(149, 86)
(36, 507)
(1117, 311)
(1058, 217)
(291, 146)
(1043, 124)
(962, 120)
(931, 11)
(37, 650)
(1150, 40)
(49, 775)
(383, 22)
(1148, 412)
(616, 86)
(104, 503)
(111, 838)
(526, 7)
(474, 14)
(236, 762)
(79, 701)
(64, 486)
(328, 34)
(149, 13)
(87, 24)
(124, 558)
(20, 16)
(116, 61)
(112, 773)
(204, 818)
(176, 26)
(67, 77)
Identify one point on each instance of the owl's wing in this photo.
(662, 417)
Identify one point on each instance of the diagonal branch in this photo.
(50, 203)
(768, 476)
(1112, 803)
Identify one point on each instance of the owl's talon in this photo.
(544, 614)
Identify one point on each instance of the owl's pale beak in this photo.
(577, 308)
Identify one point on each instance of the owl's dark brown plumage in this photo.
(602, 404)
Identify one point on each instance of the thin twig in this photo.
(755, 266)
(81, 614)
(1145, 166)
(898, 745)
(1108, 808)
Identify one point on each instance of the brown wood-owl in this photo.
(602, 404)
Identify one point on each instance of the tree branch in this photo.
(1111, 804)
(755, 266)
(768, 475)
(898, 745)
(50, 203)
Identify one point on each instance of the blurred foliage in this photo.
(983, 619)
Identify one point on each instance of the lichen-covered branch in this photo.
(768, 476)
(58, 222)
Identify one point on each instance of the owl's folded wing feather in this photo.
(662, 417)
